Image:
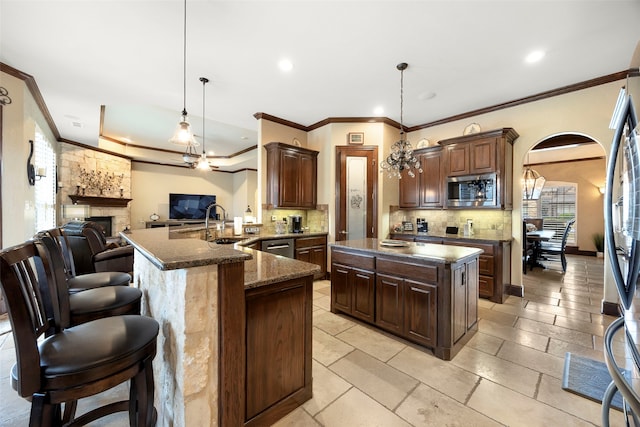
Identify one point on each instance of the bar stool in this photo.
(89, 304)
(80, 282)
(72, 362)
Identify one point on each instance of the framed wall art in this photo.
(355, 138)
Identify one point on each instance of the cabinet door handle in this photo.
(344, 232)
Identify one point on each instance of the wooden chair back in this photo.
(29, 308)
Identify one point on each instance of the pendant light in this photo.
(183, 134)
(532, 183)
(203, 163)
(401, 156)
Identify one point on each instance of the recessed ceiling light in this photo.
(285, 65)
(378, 111)
(534, 56)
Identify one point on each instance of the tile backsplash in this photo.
(316, 220)
(439, 220)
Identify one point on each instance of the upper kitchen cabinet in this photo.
(483, 153)
(291, 176)
(425, 190)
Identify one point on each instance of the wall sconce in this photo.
(601, 189)
(75, 212)
(32, 173)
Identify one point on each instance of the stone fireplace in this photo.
(76, 164)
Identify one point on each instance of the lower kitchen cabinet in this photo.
(494, 264)
(353, 286)
(314, 250)
(278, 349)
(407, 308)
(431, 304)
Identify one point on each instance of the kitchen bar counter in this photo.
(218, 304)
(171, 249)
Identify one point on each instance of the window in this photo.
(556, 206)
(45, 188)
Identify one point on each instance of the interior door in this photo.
(356, 192)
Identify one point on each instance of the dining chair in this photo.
(552, 251)
(527, 248)
(56, 364)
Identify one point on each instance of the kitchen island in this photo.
(423, 292)
(235, 329)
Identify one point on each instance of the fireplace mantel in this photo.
(114, 202)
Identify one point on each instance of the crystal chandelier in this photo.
(401, 157)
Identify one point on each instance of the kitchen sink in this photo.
(226, 240)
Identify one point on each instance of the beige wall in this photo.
(151, 185)
(588, 175)
(19, 121)
(585, 112)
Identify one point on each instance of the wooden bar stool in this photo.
(80, 282)
(72, 362)
(89, 304)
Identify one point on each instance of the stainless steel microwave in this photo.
(472, 190)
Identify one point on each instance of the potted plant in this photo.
(598, 241)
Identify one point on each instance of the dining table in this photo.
(536, 238)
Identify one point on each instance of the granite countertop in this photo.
(412, 251)
(485, 235)
(170, 249)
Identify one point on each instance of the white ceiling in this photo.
(127, 56)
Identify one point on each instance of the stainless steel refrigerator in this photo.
(622, 242)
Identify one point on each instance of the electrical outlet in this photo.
(273, 218)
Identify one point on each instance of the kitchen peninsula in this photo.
(225, 315)
(423, 292)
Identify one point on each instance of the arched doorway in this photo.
(574, 169)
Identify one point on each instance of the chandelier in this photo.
(532, 183)
(183, 135)
(401, 157)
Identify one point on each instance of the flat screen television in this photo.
(190, 206)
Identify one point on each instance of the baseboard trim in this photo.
(610, 308)
(515, 290)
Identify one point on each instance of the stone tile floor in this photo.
(508, 374)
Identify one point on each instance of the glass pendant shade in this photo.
(203, 163)
(532, 183)
(183, 135)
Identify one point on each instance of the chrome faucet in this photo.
(206, 220)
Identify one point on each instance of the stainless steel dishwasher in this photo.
(282, 247)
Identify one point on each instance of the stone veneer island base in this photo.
(235, 329)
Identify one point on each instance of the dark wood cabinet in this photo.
(313, 250)
(353, 285)
(431, 304)
(291, 176)
(421, 312)
(389, 303)
(278, 349)
(494, 264)
(494, 267)
(482, 153)
(425, 190)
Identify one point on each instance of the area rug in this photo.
(589, 378)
